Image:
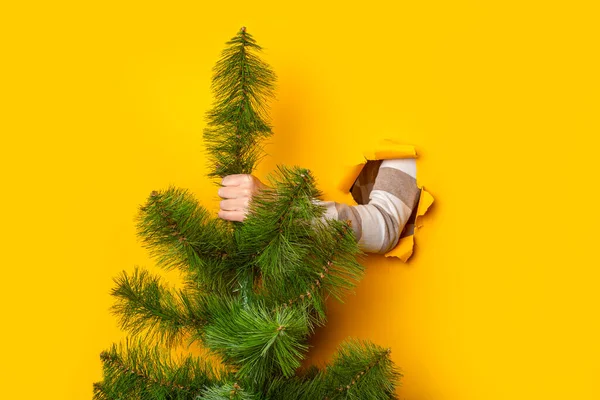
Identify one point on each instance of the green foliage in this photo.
(258, 341)
(145, 306)
(229, 391)
(361, 370)
(277, 231)
(242, 84)
(300, 256)
(311, 386)
(134, 371)
(254, 291)
(180, 233)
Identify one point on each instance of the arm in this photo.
(392, 192)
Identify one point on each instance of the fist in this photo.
(237, 192)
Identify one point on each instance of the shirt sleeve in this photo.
(392, 192)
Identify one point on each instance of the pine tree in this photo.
(254, 291)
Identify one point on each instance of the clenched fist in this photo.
(237, 191)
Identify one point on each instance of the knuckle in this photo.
(224, 192)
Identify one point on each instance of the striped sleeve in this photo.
(391, 187)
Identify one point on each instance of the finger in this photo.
(232, 215)
(233, 192)
(236, 180)
(234, 204)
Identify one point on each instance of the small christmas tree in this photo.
(254, 291)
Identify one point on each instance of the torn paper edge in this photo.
(390, 149)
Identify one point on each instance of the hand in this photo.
(237, 192)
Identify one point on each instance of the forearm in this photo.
(378, 224)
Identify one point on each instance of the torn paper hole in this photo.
(361, 177)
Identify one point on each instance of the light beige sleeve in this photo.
(393, 192)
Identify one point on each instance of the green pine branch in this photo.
(301, 258)
(275, 235)
(257, 341)
(133, 370)
(308, 386)
(242, 85)
(330, 269)
(180, 233)
(338, 259)
(265, 242)
(361, 370)
(228, 391)
(147, 307)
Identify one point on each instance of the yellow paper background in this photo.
(103, 102)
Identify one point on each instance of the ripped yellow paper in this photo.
(389, 149)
